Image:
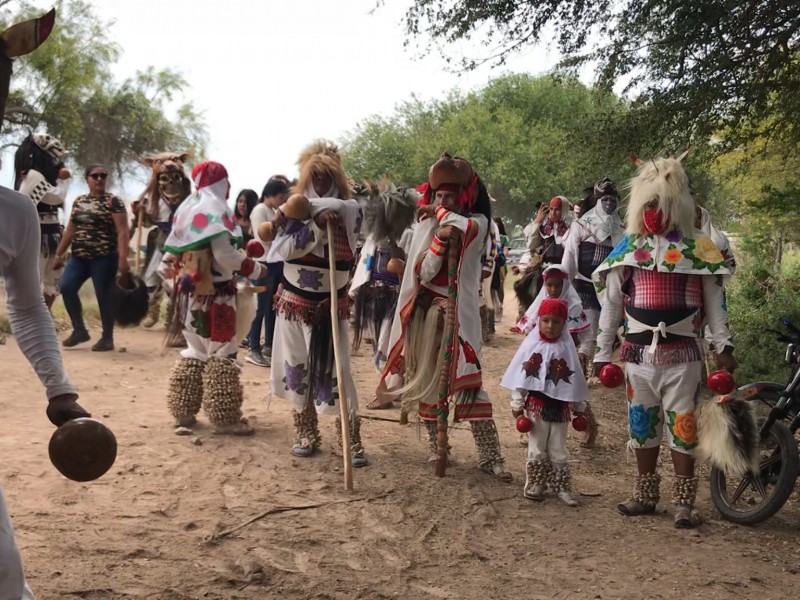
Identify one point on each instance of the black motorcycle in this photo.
(756, 497)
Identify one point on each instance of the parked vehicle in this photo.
(756, 497)
(515, 252)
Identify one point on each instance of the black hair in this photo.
(500, 226)
(251, 198)
(276, 185)
(91, 168)
(30, 156)
(482, 204)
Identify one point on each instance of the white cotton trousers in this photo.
(12, 580)
(548, 440)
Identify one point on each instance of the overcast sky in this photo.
(272, 76)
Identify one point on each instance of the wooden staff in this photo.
(344, 413)
(137, 258)
(451, 342)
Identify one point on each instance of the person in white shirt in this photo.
(272, 198)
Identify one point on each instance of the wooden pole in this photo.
(453, 258)
(344, 413)
(137, 258)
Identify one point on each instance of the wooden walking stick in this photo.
(137, 257)
(450, 344)
(344, 413)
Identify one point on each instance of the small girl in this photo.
(556, 285)
(547, 385)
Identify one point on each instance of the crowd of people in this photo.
(422, 270)
(583, 270)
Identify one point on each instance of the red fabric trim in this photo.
(438, 247)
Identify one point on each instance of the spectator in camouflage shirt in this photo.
(98, 233)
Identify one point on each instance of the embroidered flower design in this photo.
(300, 232)
(324, 390)
(295, 378)
(222, 319)
(629, 391)
(683, 428)
(199, 323)
(706, 250)
(672, 255)
(641, 255)
(618, 253)
(469, 353)
(643, 422)
(532, 365)
(674, 236)
(199, 222)
(309, 279)
(558, 370)
(227, 223)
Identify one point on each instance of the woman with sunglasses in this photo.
(98, 233)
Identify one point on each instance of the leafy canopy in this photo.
(67, 87)
(691, 68)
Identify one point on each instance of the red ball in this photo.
(524, 424)
(611, 376)
(580, 423)
(720, 382)
(255, 249)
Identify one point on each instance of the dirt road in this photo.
(139, 532)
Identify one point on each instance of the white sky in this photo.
(271, 76)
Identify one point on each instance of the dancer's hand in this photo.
(58, 262)
(426, 212)
(516, 413)
(64, 408)
(444, 233)
(726, 361)
(325, 217)
(598, 366)
(279, 220)
(544, 210)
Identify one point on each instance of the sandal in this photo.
(535, 493)
(634, 508)
(685, 517)
(499, 472)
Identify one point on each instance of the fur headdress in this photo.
(389, 210)
(322, 157)
(451, 170)
(664, 181)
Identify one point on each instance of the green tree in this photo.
(690, 68)
(529, 138)
(67, 87)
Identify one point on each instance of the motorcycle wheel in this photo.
(750, 500)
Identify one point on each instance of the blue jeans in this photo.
(265, 313)
(102, 270)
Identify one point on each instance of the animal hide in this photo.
(728, 436)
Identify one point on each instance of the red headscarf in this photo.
(553, 306)
(466, 194)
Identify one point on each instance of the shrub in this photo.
(758, 299)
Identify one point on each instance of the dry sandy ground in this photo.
(139, 531)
